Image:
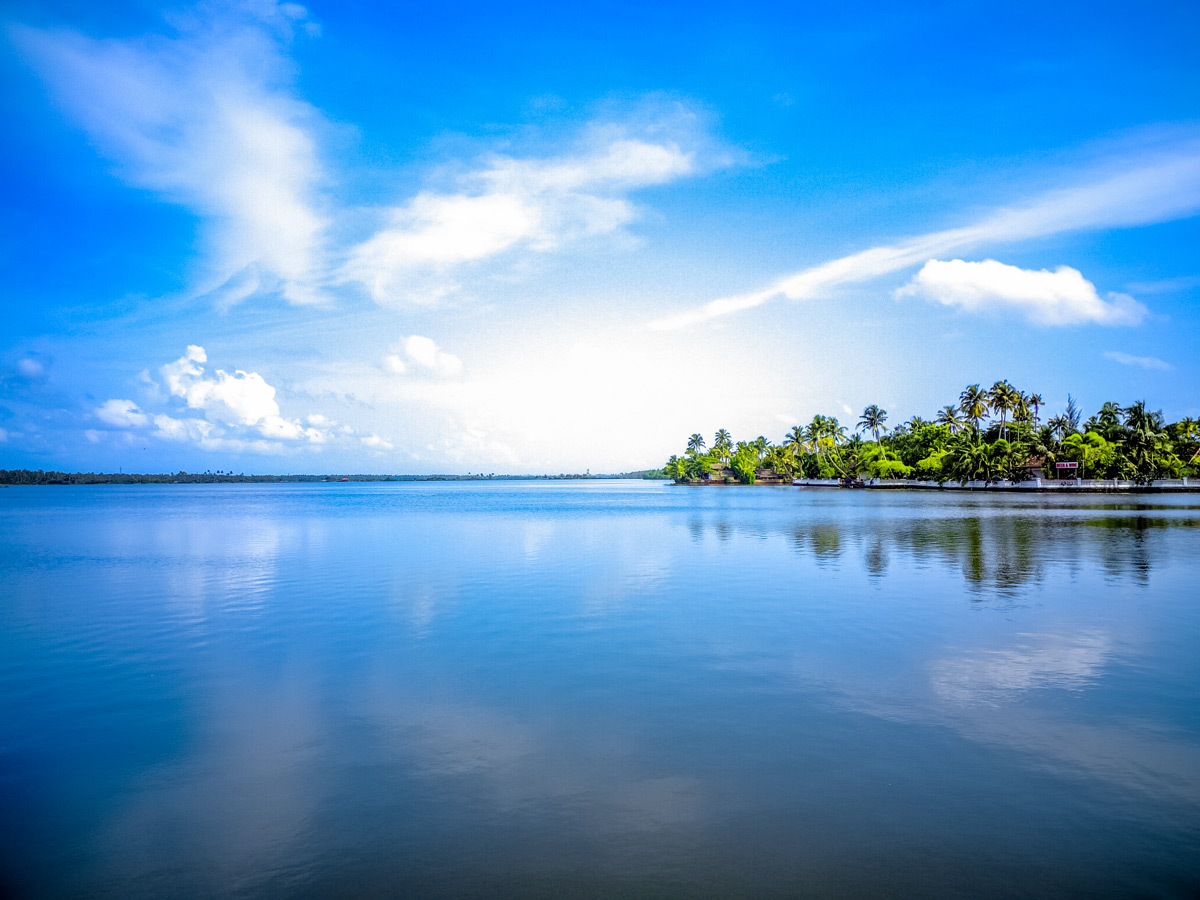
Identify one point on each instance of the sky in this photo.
(460, 238)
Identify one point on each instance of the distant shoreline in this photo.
(31, 477)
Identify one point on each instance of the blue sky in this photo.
(461, 237)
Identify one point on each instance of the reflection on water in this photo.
(991, 552)
(596, 689)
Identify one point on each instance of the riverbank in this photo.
(1036, 485)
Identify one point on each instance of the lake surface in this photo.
(596, 689)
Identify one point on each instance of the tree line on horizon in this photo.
(990, 435)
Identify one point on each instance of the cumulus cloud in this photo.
(121, 414)
(1155, 188)
(206, 120)
(421, 355)
(1061, 297)
(187, 429)
(242, 398)
(220, 411)
(1145, 362)
(535, 203)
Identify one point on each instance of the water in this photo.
(596, 689)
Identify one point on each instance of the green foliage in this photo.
(876, 461)
(1097, 457)
(932, 468)
(1130, 442)
(913, 446)
(744, 462)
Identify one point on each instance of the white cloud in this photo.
(209, 119)
(1061, 297)
(1148, 190)
(241, 398)
(537, 204)
(375, 442)
(1146, 362)
(206, 120)
(422, 354)
(236, 403)
(121, 414)
(188, 429)
(3, 436)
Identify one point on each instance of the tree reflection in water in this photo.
(995, 549)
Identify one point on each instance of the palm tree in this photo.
(1004, 398)
(1036, 401)
(781, 461)
(950, 417)
(795, 438)
(974, 404)
(1022, 411)
(722, 444)
(1144, 440)
(674, 468)
(872, 419)
(696, 443)
(1059, 425)
(1108, 421)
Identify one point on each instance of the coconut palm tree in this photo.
(1003, 397)
(1035, 400)
(722, 445)
(974, 404)
(674, 468)
(1144, 439)
(696, 443)
(1059, 425)
(1022, 411)
(1108, 422)
(795, 438)
(872, 419)
(949, 416)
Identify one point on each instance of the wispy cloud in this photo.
(209, 119)
(206, 119)
(1151, 189)
(537, 204)
(1145, 362)
(1061, 297)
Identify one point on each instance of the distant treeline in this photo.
(992, 435)
(29, 476)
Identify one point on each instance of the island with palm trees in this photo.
(992, 438)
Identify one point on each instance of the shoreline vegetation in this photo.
(39, 477)
(992, 436)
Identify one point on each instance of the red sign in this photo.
(1067, 465)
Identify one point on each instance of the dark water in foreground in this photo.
(596, 689)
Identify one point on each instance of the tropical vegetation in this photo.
(990, 435)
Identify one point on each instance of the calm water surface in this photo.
(596, 689)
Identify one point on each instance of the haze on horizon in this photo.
(267, 237)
